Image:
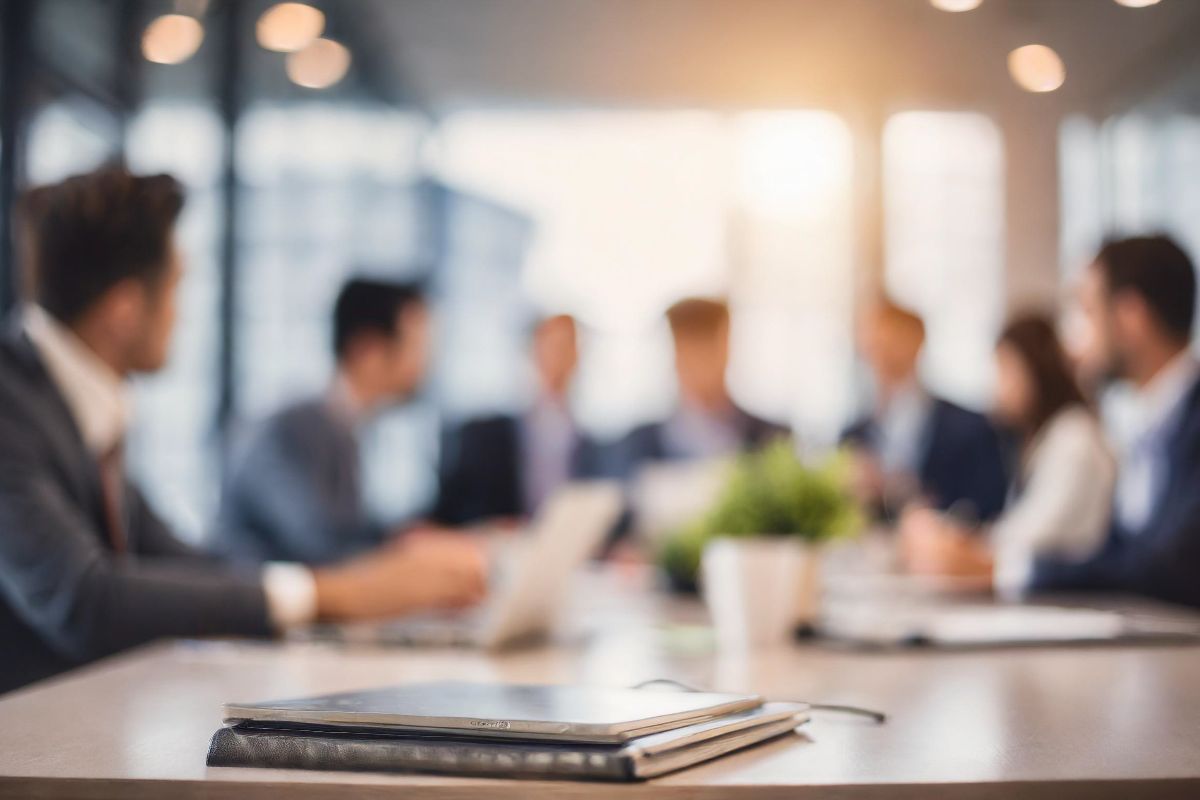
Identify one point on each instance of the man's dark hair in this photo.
(369, 306)
(1157, 270)
(86, 234)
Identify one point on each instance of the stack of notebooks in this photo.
(500, 730)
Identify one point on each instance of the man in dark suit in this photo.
(914, 445)
(1139, 298)
(706, 423)
(294, 492)
(86, 568)
(505, 467)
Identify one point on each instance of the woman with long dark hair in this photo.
(1060, 502)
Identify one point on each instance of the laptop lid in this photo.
(569, 529)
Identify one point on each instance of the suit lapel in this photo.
(1181, 466)
(48, 411)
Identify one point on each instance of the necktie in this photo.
(112, 484)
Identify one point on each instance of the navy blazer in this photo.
(482, 470)
(648, 443)
(963, 460)
(1162, 561)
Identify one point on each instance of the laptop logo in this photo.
(490, 724)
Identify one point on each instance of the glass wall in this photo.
(636, 209)
(943, 178)
(1132, 173)
(173, 446)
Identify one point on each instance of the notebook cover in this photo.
(257, 745)
(237, 746)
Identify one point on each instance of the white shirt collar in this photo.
(1159, 398)
(97, 397)
(345, 403)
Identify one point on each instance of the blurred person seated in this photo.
(505, 467)
(707, 423)
(1138, 300)
(1061, 500)
(86, 567)
(914, 446)
(294, 492)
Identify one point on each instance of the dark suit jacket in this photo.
(648, 443)
(294, 492)
(963, 459)
(482, 470)
(65, 597)
(1163, 560)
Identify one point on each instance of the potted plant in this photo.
(757, 552)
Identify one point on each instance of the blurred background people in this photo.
(505, 466)
(914, 446)
(1062, 495)
(706, 423)
(294, 492)
(1138, 298)
(86, 567)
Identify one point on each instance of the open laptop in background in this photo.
(669, 494)
(531, 578)
(978, 624)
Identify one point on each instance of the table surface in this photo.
(1118, 721)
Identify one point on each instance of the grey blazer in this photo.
(65, 597)
(294, 491)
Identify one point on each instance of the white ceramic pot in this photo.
(758, 589)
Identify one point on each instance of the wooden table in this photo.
(1121, 722)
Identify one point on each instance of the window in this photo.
(636, 209)
(628, 213)
(943, 175)
(1132, 174)
(326, 190)
(172, 448)
(66, 138)
(793, 349)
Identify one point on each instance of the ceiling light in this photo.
(1137, 3)
(172, 39)
(288, 27)
(1036, 68)
(955, 5)
(322, 63)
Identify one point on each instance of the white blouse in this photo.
(1064, 508)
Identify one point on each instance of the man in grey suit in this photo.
(86, 568)
(295, 492)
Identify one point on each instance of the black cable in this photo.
(878, 717)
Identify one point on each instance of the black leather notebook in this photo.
(288, 746)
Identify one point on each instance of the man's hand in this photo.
(430, 571)
(932, 544)
(867, 481)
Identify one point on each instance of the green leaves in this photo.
(770, 493)
(774, 493)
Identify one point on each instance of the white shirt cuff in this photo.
(291, 594)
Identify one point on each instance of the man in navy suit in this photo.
(506, 466)
(707, 423)
(1139, 298)
(914, 445)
